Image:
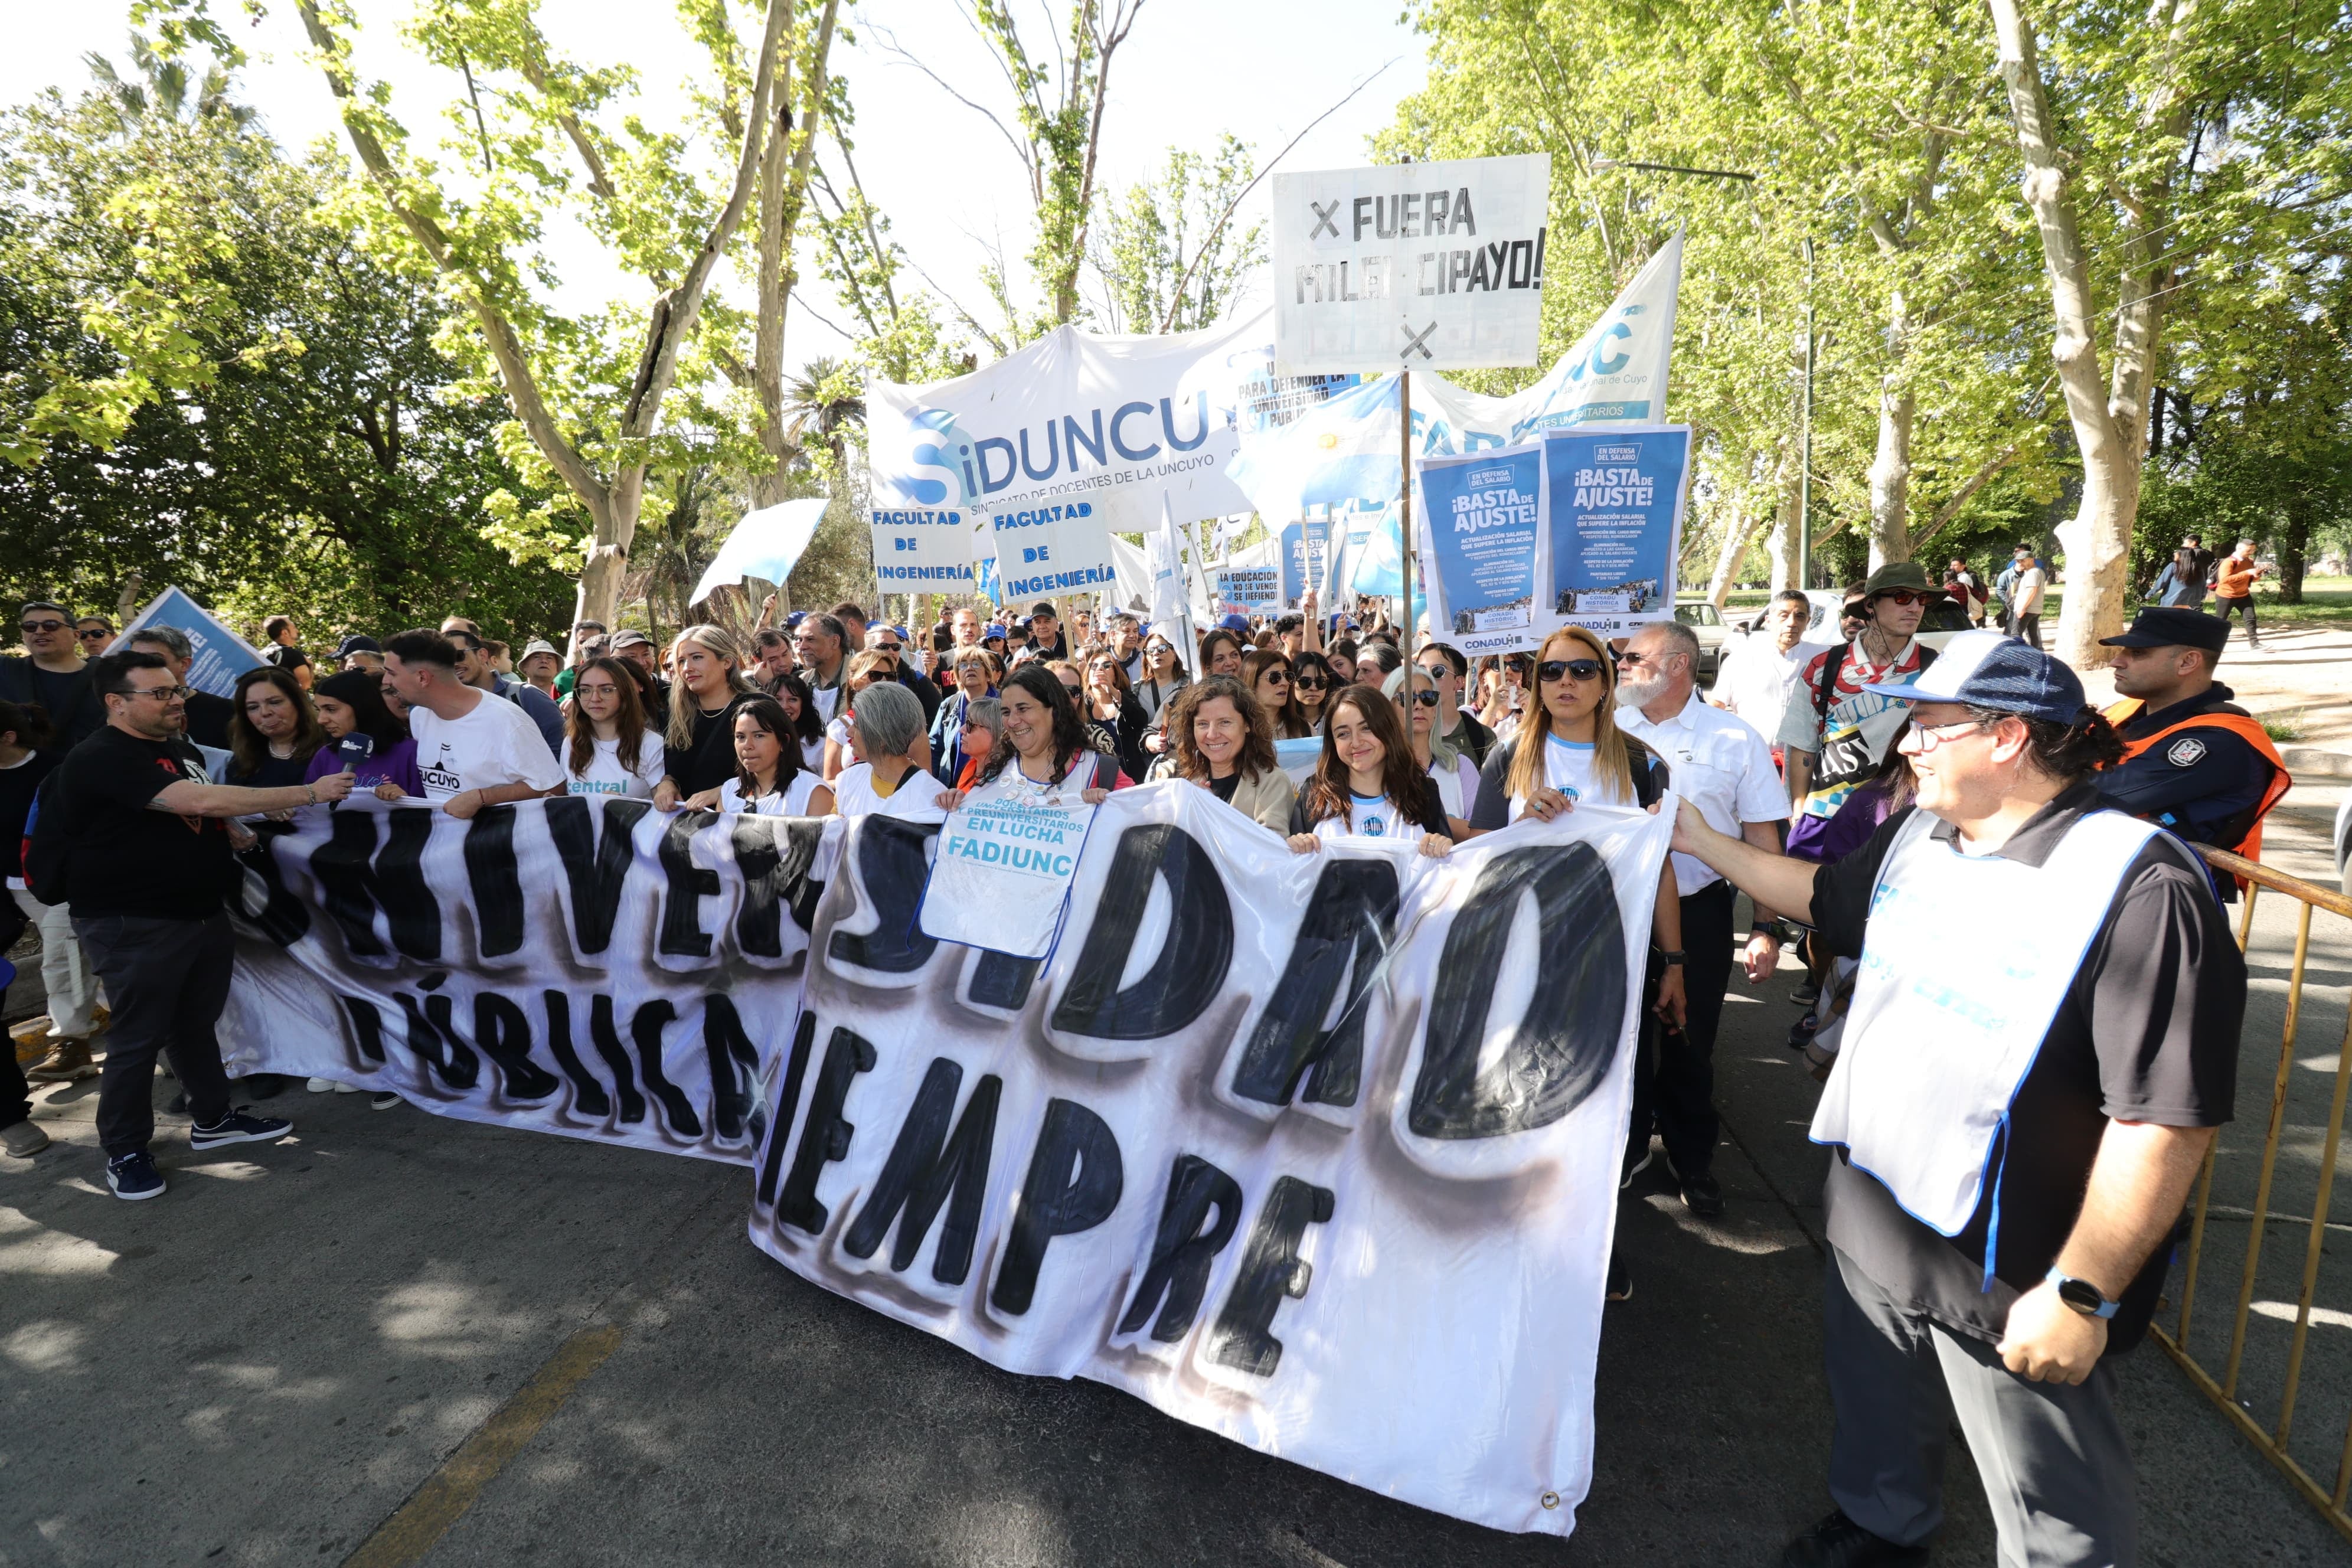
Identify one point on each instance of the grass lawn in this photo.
(2326, 601)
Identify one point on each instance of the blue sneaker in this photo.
(238, 1127)
(133, 1177)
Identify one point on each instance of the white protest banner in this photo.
(1058, 445)
(1344, 452)
(1404, 266)
(1481, 530)
(1612, 534)
(220, 654)
(1002, 875)
(582, 966)
(1217, 1152)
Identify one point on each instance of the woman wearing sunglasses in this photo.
(1312, 682)
(1366, 783)
(1109, 700)
(1268, 674)
(1453, 774)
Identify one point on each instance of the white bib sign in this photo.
(1002, 876)
(1410, 265)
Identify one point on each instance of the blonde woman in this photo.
(699, 744)
(1569, 749)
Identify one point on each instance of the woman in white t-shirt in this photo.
(1045, 760)
(1456, 776)
(1366, 783)
(769, 780)
(608, 750)
(887, 739)
(1569, 749)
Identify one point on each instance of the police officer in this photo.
(2193, 762)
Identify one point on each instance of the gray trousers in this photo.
(2056, 1468)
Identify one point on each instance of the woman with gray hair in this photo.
(885, 735)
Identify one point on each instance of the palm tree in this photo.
(822, 402)
(162, 86)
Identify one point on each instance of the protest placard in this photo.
(1481, 531)
(1614, 501)
(220, 654)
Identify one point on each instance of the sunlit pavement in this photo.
(276, 1362)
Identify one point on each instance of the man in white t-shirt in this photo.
(1761, 673)
(473, 749)
(1722, 766)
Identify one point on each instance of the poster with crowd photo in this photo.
(585, 965)
(1275, 1141)
(1613, 503)
(1481, 531)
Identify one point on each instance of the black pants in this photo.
(16, 1094)
(2029, 629)
(1673, 1074)
(166, 982)
(2243, 607)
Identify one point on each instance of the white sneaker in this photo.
(347, 1088)
(321, 1085)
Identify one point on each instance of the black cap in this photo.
(2173, 625)
(356, 643)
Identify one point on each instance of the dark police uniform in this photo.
(2202, 767)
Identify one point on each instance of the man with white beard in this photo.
(1722, 766)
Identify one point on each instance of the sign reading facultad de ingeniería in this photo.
(1410, 265)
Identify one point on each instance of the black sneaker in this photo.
(1838, 1543)
(1701, 1194)
(1806, 994)
(385, 1099)
(133, 1177)
(1621, 1278)
(238, 1127)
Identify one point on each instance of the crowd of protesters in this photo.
(1801, 779)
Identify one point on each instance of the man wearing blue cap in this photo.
(2193, 762)
(2042, 1040)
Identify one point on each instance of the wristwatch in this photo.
(2081, 1295)
(1671, 957)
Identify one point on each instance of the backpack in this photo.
(48, 854)
(1825, 689)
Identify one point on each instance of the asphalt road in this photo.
(396, 1339)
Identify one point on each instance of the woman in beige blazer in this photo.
(1224, 741)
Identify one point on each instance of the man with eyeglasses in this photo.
(890, 640)
(145, 843)
(1836, 730)
(1445, 669)
(53, 673)
(1724, 768)
(2042, 1043)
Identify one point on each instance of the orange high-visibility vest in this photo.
(2239, 724)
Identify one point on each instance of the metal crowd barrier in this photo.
(2225, 1391)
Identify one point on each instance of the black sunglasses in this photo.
(1553, 668)
(1425, 697)
(40, 625)
(1310, 683)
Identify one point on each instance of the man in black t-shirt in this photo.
(285, 652)
(2040, 1048)
(53, 674)
(147, 866)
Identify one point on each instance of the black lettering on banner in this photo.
(409, 902)
(734, 1061)
(891, 870)
(367, 1027)
(283, 918)
(929, 1168)
(1344, 932)
(1271, 1269)
(824, 1136)
(773, 878)
(1559, 1053)
(1179, 984)
(646, 1027)
(1182, 1251)
(494, 880)
(788, 1105)
(503, 1031)
(587, 1091)
(347, 879)
(596, 868)
(606, 1039)
(682, 935)
(1073, 1183)
(1001, 979)
(448, 1057)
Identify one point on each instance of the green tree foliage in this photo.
(1170, 258)
(316, 453)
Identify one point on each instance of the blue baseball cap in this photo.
(1234, 623)
(1989, 670)
(794, 619)
(992, 631)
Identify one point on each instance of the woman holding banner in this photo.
(1224, 743)
(273, 734)
(885, 735)
(351, 704)
(1453, 773)
(1367, 782)
(698, 747)
(769, 778)
(608, 751)
(1044, 752)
